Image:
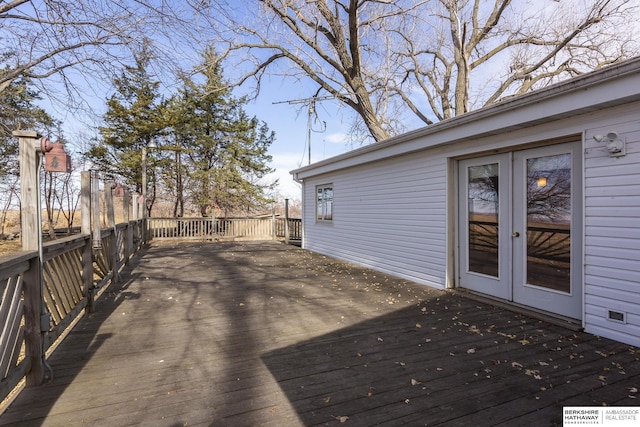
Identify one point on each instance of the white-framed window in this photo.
(324, 202)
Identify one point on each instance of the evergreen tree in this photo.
(226, 150)
(133, 119)
(18, 111)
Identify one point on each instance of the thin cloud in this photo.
(337, 138)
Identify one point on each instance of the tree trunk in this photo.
(49, 204)
(178, 207)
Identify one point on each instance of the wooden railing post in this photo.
(111, 223)
(126, 202)
(95, 208)
(31, 233)
(135, 207)
(286, 221)
(87, 258)
(273, 222)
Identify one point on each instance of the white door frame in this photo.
(510, 282)
(497, 283)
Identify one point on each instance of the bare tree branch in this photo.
(434, 59)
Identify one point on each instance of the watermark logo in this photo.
(612, 416)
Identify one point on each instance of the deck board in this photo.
(265, 334)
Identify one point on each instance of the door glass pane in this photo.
(483, 219)
(549, 221)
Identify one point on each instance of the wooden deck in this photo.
(265, 334)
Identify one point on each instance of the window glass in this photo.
(484, 207)
(549, 222)
(324, 202)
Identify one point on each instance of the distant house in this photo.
(533, 201)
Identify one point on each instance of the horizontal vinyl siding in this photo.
(389, 216)
(612, 233)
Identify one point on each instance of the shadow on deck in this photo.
(265, 334)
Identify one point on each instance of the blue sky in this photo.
(290, 123)
(288, 120)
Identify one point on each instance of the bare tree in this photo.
(9, 193)
(66, 48)
(479, 53)
(68, 198)
(436, 59)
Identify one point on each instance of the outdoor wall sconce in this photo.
(616, 146)
(118, 190)
(55, 158)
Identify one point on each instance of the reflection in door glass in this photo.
(483, 219)
(549, 222)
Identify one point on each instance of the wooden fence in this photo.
(45, 287)
(225, 228)
(38, 305)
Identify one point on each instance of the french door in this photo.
(520, 227)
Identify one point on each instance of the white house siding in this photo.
(392, 211)
(612, 232)
(389, 215)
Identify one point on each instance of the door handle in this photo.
(515, 234)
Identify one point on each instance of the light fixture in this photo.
(542, 181)
(615, 146)
(56, 158)
(118, 190)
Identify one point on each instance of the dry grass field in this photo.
(9, 246)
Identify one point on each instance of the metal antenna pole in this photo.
(311, 111)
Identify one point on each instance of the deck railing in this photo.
(39, 304)
(45, 287)
(225, 228)
(34, 312)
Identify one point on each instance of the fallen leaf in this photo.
(418, 325)
(511, 336)
(471, 351)
(342, 419)
(524, 341)
(531, 373)
(633, 390)
(516, 365)
(414, 382)
(327, 399)
(380, 339)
